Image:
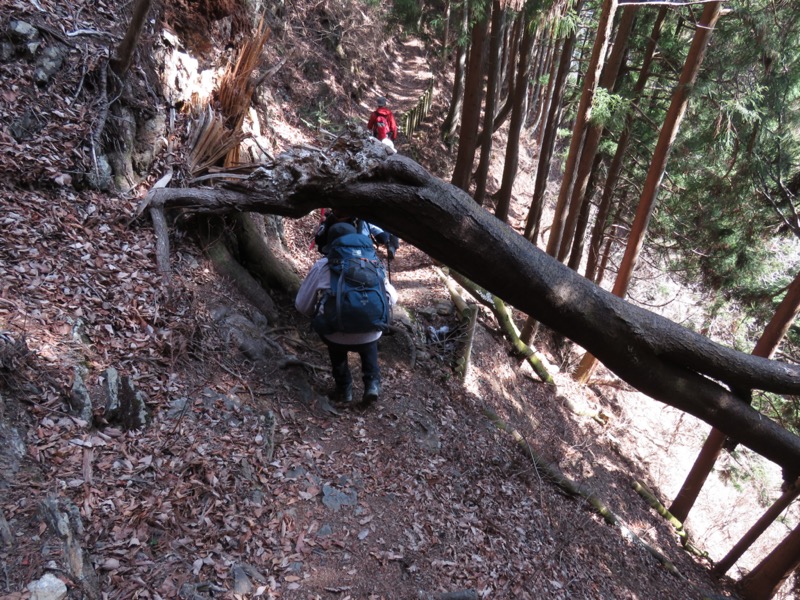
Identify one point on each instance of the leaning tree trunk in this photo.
(548, 141)
(538, 105)
(506, 84)
(583, 217)
(451, 121)
(658, 165)
(123, 57)
(658, 357)
(669, 131)
(772, 513)
(595, 132)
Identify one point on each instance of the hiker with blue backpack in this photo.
(350, 300)
(333, 216)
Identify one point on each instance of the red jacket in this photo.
(387, 114)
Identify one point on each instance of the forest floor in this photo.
(246, 482)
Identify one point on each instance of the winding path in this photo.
(410, 76)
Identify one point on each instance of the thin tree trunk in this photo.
(538, 64)
(514, 128)
(766, 579)
(496, 36)
(582, 117)
(471, 111)
(583, 218)
(508, 82)
(548, 140)
(766, 346)
(123, 57)
(595, 132)
(772, 513)
(452, 120)
(622, 147)
(669, 131)
(511, 63)
(543, 92)
(601, 271)
(698, 474)
(446, 32)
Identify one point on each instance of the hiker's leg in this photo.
(339, 367)
(370, 370)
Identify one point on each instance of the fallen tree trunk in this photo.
(655, 355)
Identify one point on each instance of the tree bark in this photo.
(594, 133)
(471, 111)
(772, 513)
(777, 327)
(658, 165)
(766, 579)
(582, 117)
(453, 118)
(582, 223)
(658, 357)
(538, 104)
(123, 57)
(669, 131)
(615, 169)
(548, 134)
(227, 266)
(495, 37)
(696, 479)
(511, 160)
(260, 260)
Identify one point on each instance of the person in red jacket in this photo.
(381, 122)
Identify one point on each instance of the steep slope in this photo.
(244, 481)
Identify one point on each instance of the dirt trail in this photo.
(407, 79)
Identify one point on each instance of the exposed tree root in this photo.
(228, 266)
(261, 261)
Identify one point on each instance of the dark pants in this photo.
(341, 371)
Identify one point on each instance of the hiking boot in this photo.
(371, 390)
(342, 394)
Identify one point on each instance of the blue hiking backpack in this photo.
(357, 301)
